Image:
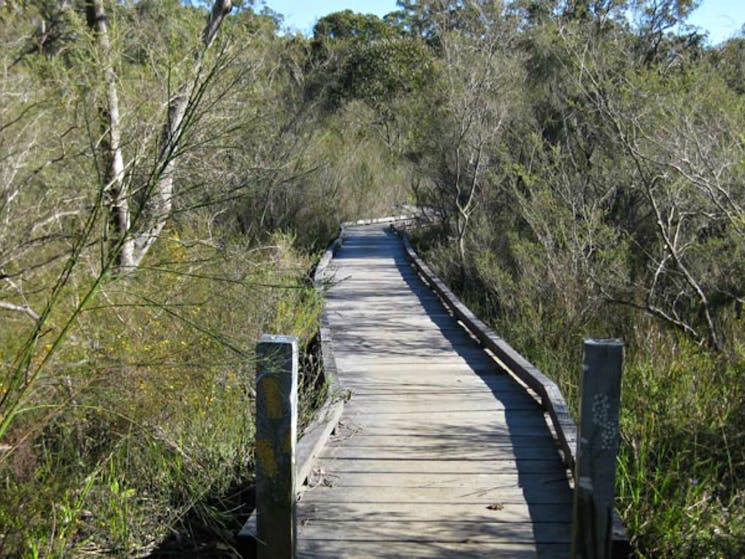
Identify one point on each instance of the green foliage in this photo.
(381, 72)
(126, 400)
(680, 465)
(729, 60)
(585, 159)
(350, 26)
(145, 411)
(612, 207)
(159, 34)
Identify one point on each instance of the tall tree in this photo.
(480, 75)
(136, 223)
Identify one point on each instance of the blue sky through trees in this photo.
(720, 18)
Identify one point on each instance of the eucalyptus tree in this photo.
(636, 175)
(139, 212)
(475, 98)
(657, 19)
(680, 136)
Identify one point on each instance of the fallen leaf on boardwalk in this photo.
(495, 506)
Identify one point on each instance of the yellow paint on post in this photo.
(266, 458)
(276, 417)
(273, 397)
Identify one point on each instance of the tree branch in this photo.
(25, 309)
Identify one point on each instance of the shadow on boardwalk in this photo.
(487, 463)
(549, 541)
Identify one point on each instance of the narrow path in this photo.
(439, 453)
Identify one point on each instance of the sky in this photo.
(721, 18)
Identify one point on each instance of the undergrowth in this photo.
(137, 424)
(681, 462)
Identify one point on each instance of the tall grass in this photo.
(142, 411)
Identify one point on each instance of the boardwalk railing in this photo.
(327, 417)
(552, 400)
(550, 395)
(593, 536)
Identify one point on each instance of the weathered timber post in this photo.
(276, 435)
(597, 446)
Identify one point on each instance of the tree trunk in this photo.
(115, 190)
(129, 242)
(158, 202)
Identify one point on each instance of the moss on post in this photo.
(276, 436)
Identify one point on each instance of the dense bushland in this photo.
(165, 180)
(167, 173)
(588, 170)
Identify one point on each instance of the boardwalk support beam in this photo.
(276, 435)
(597, 447)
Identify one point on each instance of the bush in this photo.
(143, 411)
(682, 457)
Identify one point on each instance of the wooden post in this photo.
(276, 435)
(597, 446)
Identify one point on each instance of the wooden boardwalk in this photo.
(439, 453)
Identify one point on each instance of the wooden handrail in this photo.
(386, 219)
(552, 400)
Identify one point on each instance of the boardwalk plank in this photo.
(442, 466)
(490, 452)
(446, 512)
(475, 495)
(433, 531)
(323, 549)
(508, 480)
(439, 453)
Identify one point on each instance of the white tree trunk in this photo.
(159, 202)
(131, 240)
(116, 191)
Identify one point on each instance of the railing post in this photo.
(597, 446)
(276, 435)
